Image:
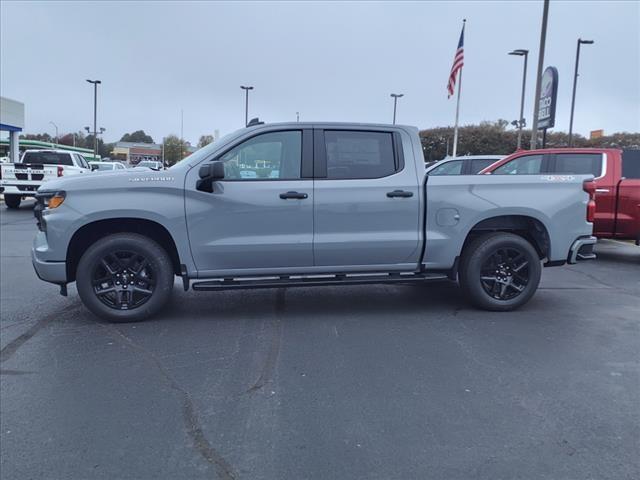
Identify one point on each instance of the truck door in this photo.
(367, 200)
(260, 216)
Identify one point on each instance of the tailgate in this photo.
(32, 172)
(628, 211)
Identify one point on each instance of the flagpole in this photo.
(455, 128)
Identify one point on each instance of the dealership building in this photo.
(12, 121)
(134, 152)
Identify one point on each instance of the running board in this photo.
(314, 281)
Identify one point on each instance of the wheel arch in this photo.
(528, 227)
(91, 232)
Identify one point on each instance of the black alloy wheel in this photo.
(505, 273)
(123, 280)
(125, 277)
(499, 271)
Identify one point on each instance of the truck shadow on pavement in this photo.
(432, 300)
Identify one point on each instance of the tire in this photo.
(499, 271)
(125, 277)
(12, 201)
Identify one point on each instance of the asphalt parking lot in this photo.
(367, 382)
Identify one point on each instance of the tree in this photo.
(205, 140)
(137, 137)
(42, 137)
(493, 138)
(174, 149)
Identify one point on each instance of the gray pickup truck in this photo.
(305, 204)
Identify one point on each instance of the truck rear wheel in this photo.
(125, 277)
(12, 201)
(499, 271)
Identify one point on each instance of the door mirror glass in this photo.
(209, 173)
(213, 170)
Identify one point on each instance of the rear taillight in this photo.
(589, 186)
(60, 171)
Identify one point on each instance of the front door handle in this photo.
(399, 193)
(297, 195)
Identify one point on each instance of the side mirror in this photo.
(209, 173)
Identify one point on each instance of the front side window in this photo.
(526, 165)
(479, 164)
(356, 155)
(449, 168)
(579, 163)
(82, 162)
(270, 156)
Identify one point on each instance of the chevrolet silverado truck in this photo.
(22, 179)
(305, 204)
(616, 183)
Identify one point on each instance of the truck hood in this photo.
(109, 181)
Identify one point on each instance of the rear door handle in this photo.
(297, 195)
(399, 193)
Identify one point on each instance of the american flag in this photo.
(458, 62)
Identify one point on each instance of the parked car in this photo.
(350, 206)
(616, 184)
(153, 165)
(36, 167)
(466, 165)
(248, 174)
(106, 166)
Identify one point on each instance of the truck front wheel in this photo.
(499, 271)
(125, 277)
(12, 201)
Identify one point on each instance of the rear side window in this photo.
(526, 165)
(480, 164)
(579, 163)
(449, 168)
(631, 163)
(81, 161)
(47, 158)
(354, 155)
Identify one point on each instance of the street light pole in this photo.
(536, 107)
(395, 96)
(521, 121)
(246, 104)
(95, 117)
(575, 81)
(56, 127)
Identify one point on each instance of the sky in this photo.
(329, 61)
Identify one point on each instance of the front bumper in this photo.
(582, 249)
(47, 270)
(22, 190)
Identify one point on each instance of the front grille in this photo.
(37, 176)
(22, 176)
(41, 202)
(27, 188)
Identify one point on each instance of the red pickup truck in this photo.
(615, 188)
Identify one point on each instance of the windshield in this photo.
(207, 150)
(102, 166)
(47, 158)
